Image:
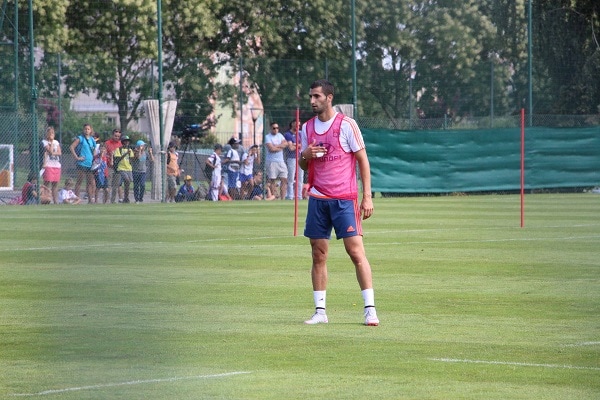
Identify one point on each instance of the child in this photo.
(101, 174)
(173, 172)
(214, 163)
(29, 192)
(66, 194)
(186, 191)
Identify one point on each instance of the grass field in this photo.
(206, 301)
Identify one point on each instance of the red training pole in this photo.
(296, 175)
(522, 167)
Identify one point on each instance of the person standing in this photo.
(173, 172)
(101, 174)
(232, 160)
(83, 149)
(52, 166)
(290, 162)
(214, 162)
(247, 170)
(274, 162)
(140, 168)
(114, 178)
(122, 161)
(332, 146)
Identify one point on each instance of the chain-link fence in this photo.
(220, 95)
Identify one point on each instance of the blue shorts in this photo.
(245, 178)
(325, 214)
(232, 178)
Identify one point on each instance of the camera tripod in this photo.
(188, 145)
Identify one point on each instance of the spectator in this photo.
(122, 163)
(214, 162)
(257, 191)
(66, 194)
(232, 159)
(114, 178)
(102, 174)
(246, 170)
(290, 162)
(275, 164)
(173, 172)
(139, 165)
(83, 149)
(186, 191)
(29, 191)
(51, 166)
(45, 195)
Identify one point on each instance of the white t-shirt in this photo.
(348, 139)
(65, 194)
(52, 161)
(249, 168)
(234, 160)
(276, 140)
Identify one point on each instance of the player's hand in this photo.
(316, 150)
(366, 207)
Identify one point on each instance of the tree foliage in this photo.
(112, 45)
(569, 51)
(441, 56)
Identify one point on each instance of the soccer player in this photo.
(332, 145)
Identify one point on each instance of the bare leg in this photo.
(91, 186)
(283, 189)
(356, 250)
(320, 249)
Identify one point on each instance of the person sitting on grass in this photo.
(66, 195)
(257, 191)
(29, 192)
(186, 191)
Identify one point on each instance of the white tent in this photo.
(159, 167)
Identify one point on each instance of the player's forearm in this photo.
(365, 175)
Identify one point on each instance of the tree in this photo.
(111, 47)
(389, 53)
(567, 53)
(509, 52)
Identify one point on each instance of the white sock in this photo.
(319, 297)
(368, 296)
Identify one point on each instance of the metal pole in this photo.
(410, 103)
(241, 100)
(530, 58)
(35, 149)
(59, 73)
(492, 94)
(16, 72)
(354, 91)
(16, 50)
(163, 156)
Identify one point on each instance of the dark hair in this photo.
(324, 84)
